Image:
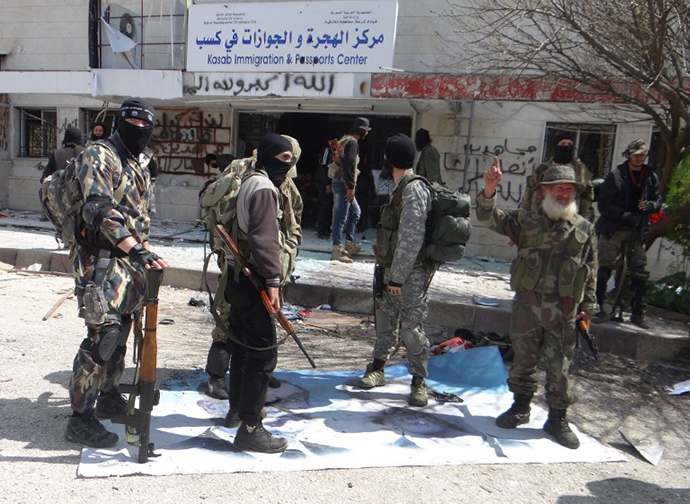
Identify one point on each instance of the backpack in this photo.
(62, 199)
(219, 199)
(448, 226)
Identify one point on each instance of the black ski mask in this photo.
(564, 153)
(271, 145)
(136, 138)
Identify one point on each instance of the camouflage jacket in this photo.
(585, 204)
(554, 257)
(113, 175)
(402, 229)
(429, 165)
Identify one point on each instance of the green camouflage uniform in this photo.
(100, 173)
(585, 203)
(400, 241)
(429, 164)
(553, 278)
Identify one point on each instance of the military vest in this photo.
(552, 257)
(335, 170)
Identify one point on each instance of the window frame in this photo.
(47, 119)
(580, 131)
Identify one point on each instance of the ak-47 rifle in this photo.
(138, 421)
(583, 330)
(249, 273)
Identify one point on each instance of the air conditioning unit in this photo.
(126, 23)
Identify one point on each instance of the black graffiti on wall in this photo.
(183, 137)
(516, 163)
(248, 84)
(4, 129)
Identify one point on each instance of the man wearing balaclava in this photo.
(564, 154)
(261, 240)
(72, 145)
(429, 163)
(112, 253)
(402, 307)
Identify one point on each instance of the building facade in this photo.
(74, 61)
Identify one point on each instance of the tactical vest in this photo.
(387, 232)
(552, 258)
(335, 170)
(447, 229)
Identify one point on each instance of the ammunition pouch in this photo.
(525, 272)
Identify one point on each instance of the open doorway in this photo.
(313, 130)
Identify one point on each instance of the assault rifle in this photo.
(583, 330)
(138, 421)
(256, 282)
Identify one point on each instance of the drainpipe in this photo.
(468, 142)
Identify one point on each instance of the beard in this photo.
(555, 209)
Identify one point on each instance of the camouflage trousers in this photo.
(91, 375)
(401, 318)
(538, 327)
(611, 249)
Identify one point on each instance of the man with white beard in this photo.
(553, 277)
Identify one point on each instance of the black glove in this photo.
(141, 256)
(631, 218)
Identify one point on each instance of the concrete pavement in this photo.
(455, 293)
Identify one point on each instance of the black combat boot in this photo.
(217, 387)
(256, 438)
(518, 413)
(640, 319)
(558, 427)
(111, 404)
(87, 430)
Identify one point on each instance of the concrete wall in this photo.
(45, 35)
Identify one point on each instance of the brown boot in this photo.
(351, 248)
(340, 255)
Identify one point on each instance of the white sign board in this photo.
(347, 37)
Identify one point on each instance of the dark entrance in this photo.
(313, 131)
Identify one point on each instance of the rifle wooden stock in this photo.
(139, 420)
(272, 311)
(583, 330)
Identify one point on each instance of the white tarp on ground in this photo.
(332, 424)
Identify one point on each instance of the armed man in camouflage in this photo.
(564, 154)
(553, 278)
(110, 261)
(218, 360)
(402, 307)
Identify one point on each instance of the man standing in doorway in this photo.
(564, 154)
(346, 211)
(429, 165)
(626, 198)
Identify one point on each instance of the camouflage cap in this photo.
(638, 146)
(561, 174)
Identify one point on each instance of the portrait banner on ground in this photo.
(330, 423)
(348, 37)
